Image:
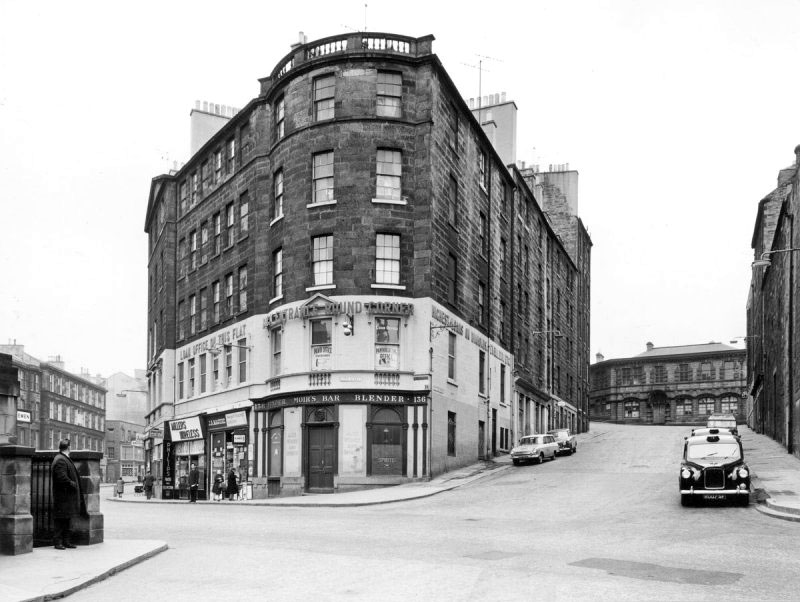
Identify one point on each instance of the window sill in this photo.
(450, 381)
(394, 287)
(243, 237)
(321, 287)
(276, 220)
(390, 201)
(322, 204)
(274, 299)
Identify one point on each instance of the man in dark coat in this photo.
(194, 482)
(148, 484)
(66, 496)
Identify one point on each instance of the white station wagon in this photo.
(534, 448)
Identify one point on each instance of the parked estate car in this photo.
(727, 421)
(534, 448)
(713, 468)
(567, 443)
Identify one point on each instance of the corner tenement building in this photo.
(349, 287)
(670, 385)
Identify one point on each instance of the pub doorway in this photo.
(320, 450)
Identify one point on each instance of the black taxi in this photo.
(713, 469)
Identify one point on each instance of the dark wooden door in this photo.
(321, 457)
(481, 440)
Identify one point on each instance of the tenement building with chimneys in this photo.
(54, 403)
(670, 385)
(352, 283)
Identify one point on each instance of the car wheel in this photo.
(516, 462)
(555, 454)
(575, 449)
(541, 458)
(686, 500)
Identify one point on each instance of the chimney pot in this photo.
(599, 357)
(649, 346)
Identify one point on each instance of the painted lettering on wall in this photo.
(228, 337)
(336, 308)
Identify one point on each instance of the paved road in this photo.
(603, 524)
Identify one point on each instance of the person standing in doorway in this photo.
(66, 496)
(148, 485)
(233, 487)
(120, 489)
(194, 483)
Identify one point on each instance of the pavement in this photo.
(47, 573)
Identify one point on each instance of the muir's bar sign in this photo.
(393, 398)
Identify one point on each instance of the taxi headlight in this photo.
(743, 473)
(685, 473)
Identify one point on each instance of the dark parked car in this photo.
(713, 468)
(567, 443)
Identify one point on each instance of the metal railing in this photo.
(42, 498)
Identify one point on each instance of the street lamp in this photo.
(765, 261)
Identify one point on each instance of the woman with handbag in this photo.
(217, 487)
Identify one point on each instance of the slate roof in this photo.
(687, 350)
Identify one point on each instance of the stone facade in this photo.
(773, 313)
(361, 138)
(670, 385)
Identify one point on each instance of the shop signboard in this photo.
(342, 397)
(236, 418)
(185, 429)
(23, 416)
(239, 439)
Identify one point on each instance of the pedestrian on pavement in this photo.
(67, 496)
(148, 485)
(194, 483)
(217, 488)
(233, 487)
(120, 489)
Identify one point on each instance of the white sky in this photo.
(678, 116)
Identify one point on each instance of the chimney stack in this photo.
(649, 346)
(599, 357)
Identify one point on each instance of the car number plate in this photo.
(713, 496)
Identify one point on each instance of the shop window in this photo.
(386, 444)
(275, 462)
(321, 344)
(451, 433)
(387, 343)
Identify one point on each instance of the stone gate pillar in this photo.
(16, 522)
(88, 529)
